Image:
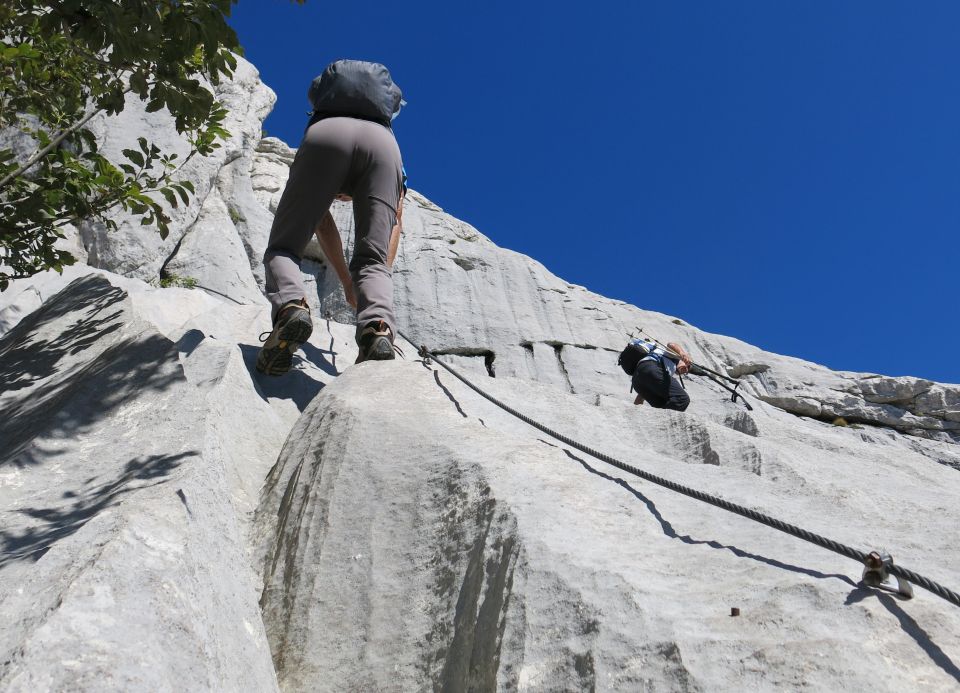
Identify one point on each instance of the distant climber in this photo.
(348, 151)
(653, 371)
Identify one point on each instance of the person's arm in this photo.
(395, 235)
(685, 361)
(332, 246)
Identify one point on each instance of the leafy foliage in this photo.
(63, 62)
(175, 280)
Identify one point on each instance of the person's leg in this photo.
(648, 382)
(376, 183)
(677, 397)
(316, 176)
(318, 171)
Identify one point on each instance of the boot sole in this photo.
(276, 359)
(297, 330)
(380, 350)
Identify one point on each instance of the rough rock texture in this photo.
(134, 444)
(169, 520)
(445, 545)
(120, 500)
(464, 296)
(134, 251)
(459, 292)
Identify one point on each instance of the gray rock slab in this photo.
(442, 544)
(212, 255)
(459, 293)
(410, 535)
(125, 484)
(137, 251)
(250, 218)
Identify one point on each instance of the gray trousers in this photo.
(339, 155)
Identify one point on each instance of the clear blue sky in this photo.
(785, 172)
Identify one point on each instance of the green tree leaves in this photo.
(61, 62)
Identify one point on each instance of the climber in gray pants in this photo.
(339, 156)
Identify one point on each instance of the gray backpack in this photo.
(355, 88)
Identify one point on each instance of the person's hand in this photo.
(638, 400)
(683, 367)
(350, 295)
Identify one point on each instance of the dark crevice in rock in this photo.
(163, 274)
(590, 347)
(488, 355)
(488, 360)
(528, 345)
(856, 421)
(468, 264)
(563, 369)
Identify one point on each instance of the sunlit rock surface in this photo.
(416, 537)
(171, 519)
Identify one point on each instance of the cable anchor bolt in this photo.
(876, 574)
(424, 353)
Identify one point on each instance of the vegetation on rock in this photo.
(61, 63)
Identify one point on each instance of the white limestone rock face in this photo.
(213, 256)
(121, 546)
(409, 535)
(137, 251)
(444, 545)
(271, 168)
(459, 293)
(248, 216)
(134, 440)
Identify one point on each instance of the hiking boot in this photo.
(291, 329)
(376, 343)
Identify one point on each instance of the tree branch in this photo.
(46, 150)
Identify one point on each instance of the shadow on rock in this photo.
(317, 358)
(909, 626)
(294, 385)
(25, 359)
(81, 506)
(670, 532)
(67, 386)
(64, 408)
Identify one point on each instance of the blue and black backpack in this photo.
(355, 88)
(632, 354)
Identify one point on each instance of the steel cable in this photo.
(793, 530)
